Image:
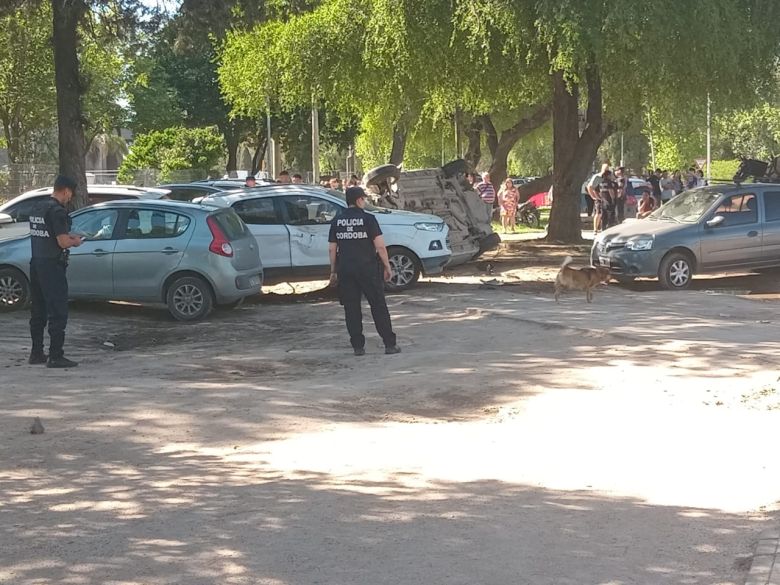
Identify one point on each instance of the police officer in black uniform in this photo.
(50, 240)
(360, 266)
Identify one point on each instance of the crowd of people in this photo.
(607, 190)
(329, 182)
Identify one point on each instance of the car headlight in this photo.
(429, 226)
(640, 244)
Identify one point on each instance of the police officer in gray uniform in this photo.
(50, 240)
(360, 266)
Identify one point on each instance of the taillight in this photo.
(219, 243)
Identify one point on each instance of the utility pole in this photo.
(709, 137)
(652, 145)
(268, 139)
(315, 142)
(622, 151)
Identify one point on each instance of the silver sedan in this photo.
(190, 257)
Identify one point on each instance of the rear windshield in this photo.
(231, 224)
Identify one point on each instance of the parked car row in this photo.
(149, 246)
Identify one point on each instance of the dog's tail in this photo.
(566, 261)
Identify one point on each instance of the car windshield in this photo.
(687, 207)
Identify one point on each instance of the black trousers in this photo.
(353, 285)
(620, 209)
(49, 304)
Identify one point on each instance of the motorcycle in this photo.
(528, 214)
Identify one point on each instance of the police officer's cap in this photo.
(63, 182)
(353, 194)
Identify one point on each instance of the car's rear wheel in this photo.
(189, 298)
(14, 289)
(381, 173)
(405, 267)
(676, 271)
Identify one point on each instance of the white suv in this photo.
(291, 224)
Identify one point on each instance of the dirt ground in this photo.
(515, 441)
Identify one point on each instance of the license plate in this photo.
(604, 260)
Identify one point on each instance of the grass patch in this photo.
(544, 216)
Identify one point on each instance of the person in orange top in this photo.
(508, 197)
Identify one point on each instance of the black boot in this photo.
(37, 358)
(61, 362)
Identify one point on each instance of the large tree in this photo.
(27, 97)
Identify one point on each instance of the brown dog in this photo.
(585, 278)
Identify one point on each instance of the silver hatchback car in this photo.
(709, 229)
(190, 257)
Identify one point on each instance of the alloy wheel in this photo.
(679, 273)
(188, 299)
(11, 291)
(403, 270)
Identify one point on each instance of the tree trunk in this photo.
(573, 152)
(231, 143)
(70, 121)
(399, 144)
(259, 153)
(501, 145)
(474, 148)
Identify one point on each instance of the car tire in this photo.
(189, 298)
(676, 271)
(624, 278)
(406, 269)
(380, 174)
(14, 290)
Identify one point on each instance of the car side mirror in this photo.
(6, 219)
(715, 221)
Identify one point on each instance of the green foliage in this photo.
(533, 155)
(724, 169)
(27, 95)
(751, 133)
(173, 149)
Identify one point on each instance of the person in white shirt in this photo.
(667, 187)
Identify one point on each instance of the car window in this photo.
(186, 193)
(154, 223)
(308, 210)
(772, 205)
(257, 211)
(98, 224)
(739, 209)
(231, 224)
(103, 197)
(21, 211)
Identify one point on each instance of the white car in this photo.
(291, 224)
(15, 213)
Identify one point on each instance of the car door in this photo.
(261, 215)
(308, 219)
(771, 244)
(737, 240)
(149, 248)
(90, 269)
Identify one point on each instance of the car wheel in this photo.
(624, 278)
(381, 173)
(676, 271)
(189, 298)
(406, 269)
(14, 289)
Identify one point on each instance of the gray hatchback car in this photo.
(710, 229)
(190, 257)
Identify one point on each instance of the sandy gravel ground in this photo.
(632, 441)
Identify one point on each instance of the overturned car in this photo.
(443, 192)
